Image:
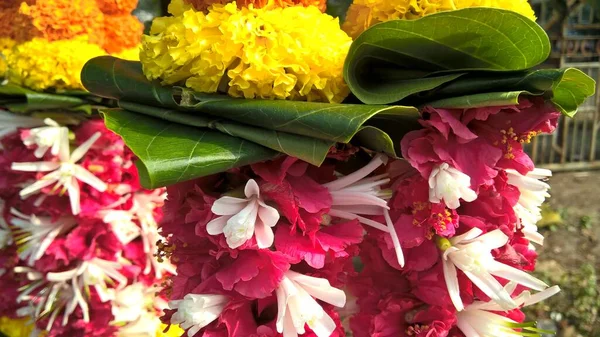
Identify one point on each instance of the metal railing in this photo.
(576, 143)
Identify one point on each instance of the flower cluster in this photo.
(78, 235)
(294, 53)
(203, 5)
(443, 239)
(67, 19)
(39, 64)
(362, 14)
(46, 42)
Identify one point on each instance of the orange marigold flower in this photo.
(115, 7)
(16, 26)
(202, 5)
(65, 19)
(121, 32)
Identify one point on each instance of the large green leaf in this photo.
(395, 59)
(566, 88)
(272, 123)
(171, 152)
(20, 100)
(309, 149)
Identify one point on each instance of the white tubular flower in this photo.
(194, 312)
(47, 137)
(480, 320)
(471, 253)
(296, 305)
(533, 194)
(44, 298)
(449, 185)
(94, 273)
(122, 225)
(355, 195)
(129, 303)
(35, 234)
(144, 205)
(9, 122)
(65, 173)
(241, 218)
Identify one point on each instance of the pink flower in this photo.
(330, 241)
(254, 273)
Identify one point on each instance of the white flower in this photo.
(145, 326)
(96, 273)
(122, 224)
(479, 319)
(52, 137)
(65, 173)
(296, 305)
(450, 185)
(471, 253)
(354, 196)
(194, 312)
(44, 298)
(129, 303)
(35, 234)
(9, 122)
(533, 194)
(241, 218)
(144, 205)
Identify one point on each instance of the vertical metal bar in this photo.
(565, 141)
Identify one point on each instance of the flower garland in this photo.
(47, 42)
(362, 14)
(439, 243)
(294, 53)
(78, 233)
(430, 234)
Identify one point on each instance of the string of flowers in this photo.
(78, 234)
(439, 243)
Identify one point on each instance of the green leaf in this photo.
(308, 149)
(306, 130)
(338, 8)
(393, 60)
(566, 88)
(21, 100)
(171, 152)
(480, 100)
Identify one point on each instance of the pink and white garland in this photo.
(438, 244)
(78, 234)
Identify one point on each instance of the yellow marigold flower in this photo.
(132, 54)
(174, 331)
(121, 32)
(116, 7)
(203, 5)
(362, 14)
(6, 44)
(16, 327)
(65, 19)
(41, 64)
(294, 53)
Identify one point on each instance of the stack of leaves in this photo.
(393, 69)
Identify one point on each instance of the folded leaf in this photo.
(566, 88)
(171, 152)
(20, 100)
(395, 59)
(338, 8)
(305, 130)
(308, 149)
